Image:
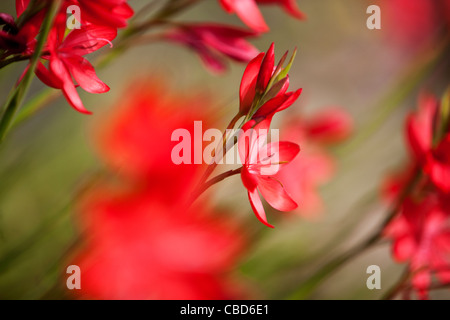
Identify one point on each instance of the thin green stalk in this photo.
(19, 92)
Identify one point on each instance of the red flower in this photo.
(213, 41)
(415, 23)
(316, 166)
(264, 86)
(249, 13)
(261, 162)
(66, 60)
(143, 155)
(435, 160)
(421, 235)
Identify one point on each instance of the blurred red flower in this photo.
(421, 236)
(140, 246)
(415, 23)
(315, 166)
(214, 42)
(143, 240)
(421, 229)
(249, 13)
(435, 160)
(136, 139)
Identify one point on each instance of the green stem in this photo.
(19, 92)
(214, 181)
(398, 287)
(311, 284)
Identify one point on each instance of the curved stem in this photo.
(7, 62)
(205, 186)
(398, 287)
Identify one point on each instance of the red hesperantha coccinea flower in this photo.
(421, 230)
(143, 240)
(249, 13)
(214, 42)
(263, 93)
(412, 24)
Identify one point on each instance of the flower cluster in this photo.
(421, 230)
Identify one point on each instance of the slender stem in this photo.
(19, 92)
(398, 287)
(212, 166)
(17, 58)
(214, 181)
(309, 285)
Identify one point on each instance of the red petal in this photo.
(404, 248)
(266, 71)
(21, 5)
(248, 83)
(438, 165)
(277, 104)
(293, 9)
(84, 74)
(257, 206)
(68, 88)
(273, 191)
(88, 39)
(47, 77)
(249, 13)
(330, 126)
(419, 127)
(290, 6)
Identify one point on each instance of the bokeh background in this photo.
(375, 75)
